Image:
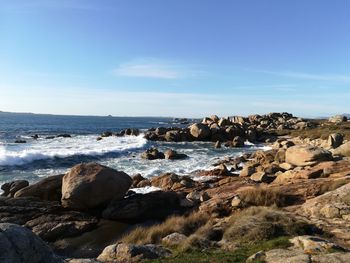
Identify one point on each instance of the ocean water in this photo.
(44, 157)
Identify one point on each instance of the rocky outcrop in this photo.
(11, 188)
(334, 204)
(46, 219)
(91, 185)
(141, 207)
(19, 245)
(306, 155)
(46, 189)
(127, 253)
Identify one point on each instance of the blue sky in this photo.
(175, 57)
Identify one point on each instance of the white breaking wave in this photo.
(42, 149)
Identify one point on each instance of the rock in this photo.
(335, 140)
(214, 118)
(141, 207)
(126, 253)
(333, 204)
(46, 219)
(46, 189)
(20, 141)
(247, 171)
(172, 136)
(217, 145)
(98, 138)
(106, 134)
(35, 136)
(224, 122)
(286, 166)
(342, 150)
(313, 245)
(257, 257)
(136, 179)
(337, 119)
(173, 155)
(200, 131)
(144, 183)
(64, 135)
(236, 202)
(91, 185)
(50, 137)
(262, 177)
(238, 142)
(174, 239)
(12, 187)
(19, 245)
(161, 130)
(286, 256)
(306, 155)
(152, 154)
(165, 181)
(337, 257)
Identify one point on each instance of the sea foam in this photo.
(42, 149)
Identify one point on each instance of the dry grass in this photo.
(262, 196)
(322, 131)
(202, 238)
(263, 223)
(154, 234)
(331, 186)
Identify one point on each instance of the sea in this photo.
(43, 157)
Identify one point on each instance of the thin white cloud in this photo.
(148, 70)
(309, 76)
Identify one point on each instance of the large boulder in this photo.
(306, 155)
(342, 150)
(19, 245)
(200, 131)
(47, 189)
(91, 185)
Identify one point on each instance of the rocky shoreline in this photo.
(291, 202)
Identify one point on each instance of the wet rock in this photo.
(46, 189)
(20, 141)
(238, 142)
(91, 185)
(152, 154)
(106, 134)
(173, 155)
(64, 135)
(217, 145)
(18, 245)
